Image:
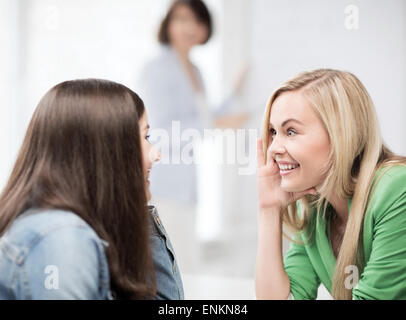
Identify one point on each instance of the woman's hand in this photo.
(270, 193)
(235, 121)
(241, 78)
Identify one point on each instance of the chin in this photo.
(288, 187)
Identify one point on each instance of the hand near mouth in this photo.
(270, 193)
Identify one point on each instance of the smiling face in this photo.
(185, 30)
(149, 153)
(300, 146)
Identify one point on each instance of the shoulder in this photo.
(389, 187)
(393, 173)
(38, 229)
(55, 249)
(161, 62)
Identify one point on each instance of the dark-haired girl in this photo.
(74, 221)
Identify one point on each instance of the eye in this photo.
(291, 130)
(272, 131)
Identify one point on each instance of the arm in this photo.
(232, 121)
(294, 278)
(225, 106)
(304, 282)
(271, 280)
(384, 276)
(222, 113)
(68, 263)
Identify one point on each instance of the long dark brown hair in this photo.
(82, 153)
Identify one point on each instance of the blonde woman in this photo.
(328, 177)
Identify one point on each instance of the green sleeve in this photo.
(304, 282)
(384, 276)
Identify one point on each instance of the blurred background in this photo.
(44, 42)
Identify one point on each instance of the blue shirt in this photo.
(55, 254)
(169, 96)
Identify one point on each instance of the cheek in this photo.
(145, 153)
(203, 33)
(313, 157)
(174, 31)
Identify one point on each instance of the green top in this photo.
(384, 239)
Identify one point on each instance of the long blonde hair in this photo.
(357, 152)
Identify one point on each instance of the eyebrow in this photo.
(286, 121)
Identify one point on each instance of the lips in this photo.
(286, 172)
(287, 168)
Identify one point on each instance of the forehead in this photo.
(291, 105)
(184, 10)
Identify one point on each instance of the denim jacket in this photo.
(54, 254)
(168, 277)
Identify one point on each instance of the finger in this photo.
(260, 153)
(269, 159)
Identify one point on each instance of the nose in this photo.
(276, 146)
(155, 155)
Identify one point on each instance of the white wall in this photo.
(9, 79)
(95, 38)
(293, 35)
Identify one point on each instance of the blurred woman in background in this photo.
(173, 89)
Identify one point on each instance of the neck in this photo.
(183, 53)
(340, 206)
